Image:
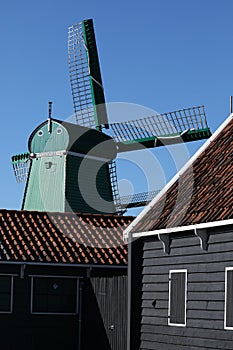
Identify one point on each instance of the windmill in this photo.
(57, 149)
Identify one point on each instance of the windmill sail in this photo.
(184, 125)
(138, 199)
(85, 76)
(90, 111)
(87, 88)
(115, 188)
(21, 165)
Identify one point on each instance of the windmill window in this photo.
(6, 293)
(177, 298)
(54, 295)
(48, 165)
(228, 314)
(40, 133)
(59, 131)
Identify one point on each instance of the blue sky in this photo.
(161, 54)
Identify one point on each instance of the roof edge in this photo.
(184, 228)
(41, 263)
(176, 177)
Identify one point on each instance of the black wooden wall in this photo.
(24, 330)
(104, 320)
(111, 296)
(205, 293)
(99, 324)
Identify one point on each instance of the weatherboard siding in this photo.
(91, 178)
(89, 326)
(111, 296)
(205, 292)
(45, 185)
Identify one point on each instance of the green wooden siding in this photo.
(43, 141)
(56, 183)
(90, 178)
(45, 187)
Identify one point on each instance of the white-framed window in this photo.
(228, 312)
(54, 295)
(6, 293)
(177, 298)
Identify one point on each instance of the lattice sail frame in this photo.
(161, 125)
(137, 199)
(115, 188)
(21, 165)
(87, 89)
(79, 77)
(85, 76)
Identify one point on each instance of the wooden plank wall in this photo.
(111, 296)
(205, 297)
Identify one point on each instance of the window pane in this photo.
(5, 293)
(54, 295)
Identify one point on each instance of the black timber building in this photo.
(181, 256)
(63, 281)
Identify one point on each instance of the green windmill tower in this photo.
(68, 165)
(71, 166)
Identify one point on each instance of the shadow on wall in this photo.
(94, 334)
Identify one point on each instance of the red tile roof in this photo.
(201, 193)
(30, 236)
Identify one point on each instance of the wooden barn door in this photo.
(111, 296)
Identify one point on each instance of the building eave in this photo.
(87, 266)
(205, 225)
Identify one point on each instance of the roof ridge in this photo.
(67, 213)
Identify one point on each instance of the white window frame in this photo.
(225, 303)
(169, 300)
(11, 295)
(54, 313)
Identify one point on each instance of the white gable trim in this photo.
(184, 228)
(175, 178)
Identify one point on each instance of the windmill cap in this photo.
(91, 141)
(74, 138)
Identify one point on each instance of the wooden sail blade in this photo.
(85, 76)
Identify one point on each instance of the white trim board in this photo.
(64, 153)
(184, 228)
(176, 177)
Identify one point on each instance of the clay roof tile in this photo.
(200, 193)
(62, 237)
